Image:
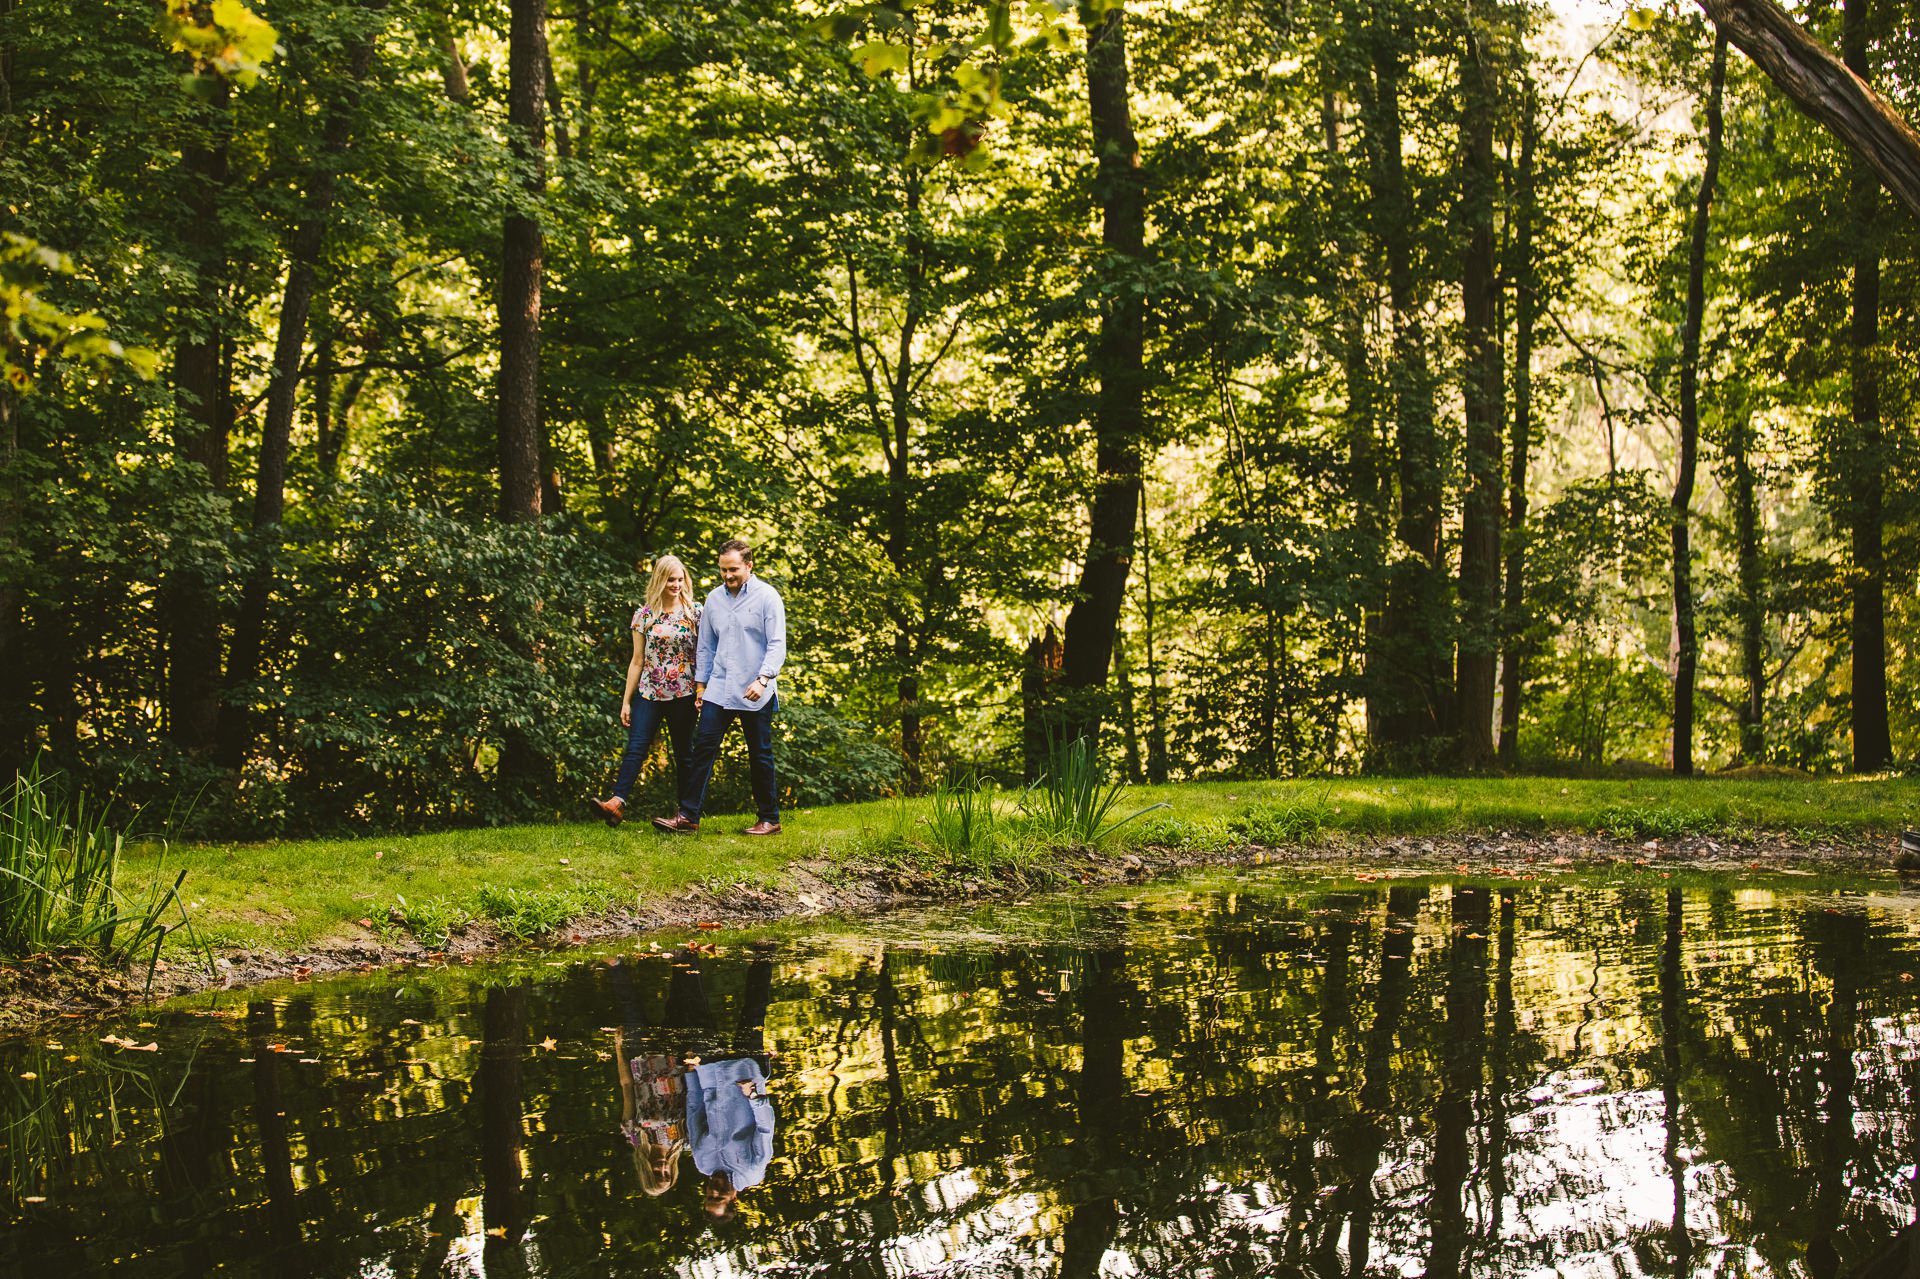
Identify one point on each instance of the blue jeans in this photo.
(757, 728)
(648, 717)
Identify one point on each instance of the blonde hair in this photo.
(657, 584)
(652, 1180)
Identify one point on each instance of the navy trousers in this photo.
(757, 728)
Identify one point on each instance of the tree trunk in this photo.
(1686, 650)
(1752, 604)
(1482, 395)
(1825, 89)
(500, 1092)
(1119, 360)
(1526, 309)
(1872, 740)
(326, 439)
(203, 417)
(1129, 718)
(276, 434)
(1156, 724)
(1366, 483)
(1413, 656)
(521, 270)
(16, 720)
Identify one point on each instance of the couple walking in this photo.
(695, 671)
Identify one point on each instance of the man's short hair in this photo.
(739, 546)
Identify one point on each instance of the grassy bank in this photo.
(531, 880)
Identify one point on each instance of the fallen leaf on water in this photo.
(498, 1232)
(549, 1043)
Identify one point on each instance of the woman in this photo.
(659, 681)
(653, 1107)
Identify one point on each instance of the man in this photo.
(743, 642)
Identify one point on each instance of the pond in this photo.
(1248, 1074)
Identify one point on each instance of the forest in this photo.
(1257, 388)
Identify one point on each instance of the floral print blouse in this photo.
(666, 656)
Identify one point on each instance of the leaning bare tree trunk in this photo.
(1120, 361)
(1686, 649)
(1823, 87)
(521, 271)
(1872, 740)
(276, 436)
(1482, 394)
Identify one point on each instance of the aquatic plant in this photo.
(1074, 800)
(961, 823)
(59, 865)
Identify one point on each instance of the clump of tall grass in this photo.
(961, 823)
(59, 867)
(1073, 803)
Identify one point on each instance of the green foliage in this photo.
(432, 921)
(1073, 803)
(59, 873)
(1661, 821)
(530, 913)
(1280, 824)
(962, 824)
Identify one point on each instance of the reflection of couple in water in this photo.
(685, 1090)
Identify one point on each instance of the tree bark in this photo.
(1686, 649)
(203, 422)
(1119, 360)
(1412, 660)
(276, 434)
(1872, 739)
(1826, 89)
(1483, 394)
(1156, 724)
(1526, 309)
(1752, 604)
(16, 721)
(522, 268)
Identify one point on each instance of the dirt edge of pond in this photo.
(44, 989)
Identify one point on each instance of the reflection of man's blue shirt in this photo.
(727, 1130)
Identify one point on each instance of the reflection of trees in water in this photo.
(1335, 1084)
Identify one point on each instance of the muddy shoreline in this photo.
(43, 989)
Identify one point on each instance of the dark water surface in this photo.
(1242, 1076)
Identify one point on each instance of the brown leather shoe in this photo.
(678, 824)
(762, 828)
(612, 811)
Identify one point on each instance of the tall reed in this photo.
(1073, 803)
(59, 863)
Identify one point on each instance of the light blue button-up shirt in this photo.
(730, 1120)
(743, 637)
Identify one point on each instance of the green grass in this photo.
(529, 879)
